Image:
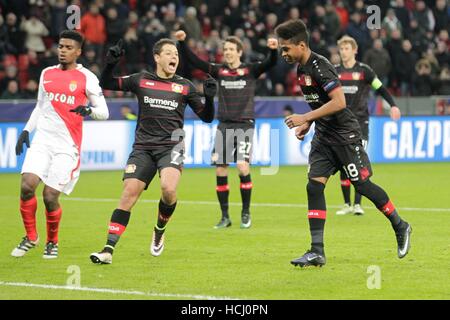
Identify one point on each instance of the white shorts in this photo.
(57, 169)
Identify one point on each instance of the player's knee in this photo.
(130, 194)
(169, 193)
(363, 187)
(243, 168)
(222, 170)
(26, 190)
(314, 188)
(51, 199)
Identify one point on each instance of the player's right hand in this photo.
(301, 131)
(115, 53)
(180, 35)
(23, 138)
(210, 86)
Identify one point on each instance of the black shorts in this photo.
(326, 160)
(233, 143)
(364, 130)
(143, 164)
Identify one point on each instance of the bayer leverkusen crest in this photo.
(240, 72)
(308, 80)
(356, 75)
(73, 86)
(178, 88)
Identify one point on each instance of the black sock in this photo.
(117, 226)
(381, 200)
(357, 198)
(391, 213)
(246, 192)
(164, 213)
(316, 214)
(223, 191)
(345, 187)
(316, 228)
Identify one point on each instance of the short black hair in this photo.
(72, 34)
(158, 45)
(294, 31)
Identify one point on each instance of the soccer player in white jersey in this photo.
(67, 93)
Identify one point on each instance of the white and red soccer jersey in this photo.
(60, 91)
(54, 154)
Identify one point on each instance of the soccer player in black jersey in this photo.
(234, 135)
(336, 143)
(158, 145)
(357, 79)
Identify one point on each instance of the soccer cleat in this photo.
(346, 209)
(51, 250)
(101, 257)
(223, 223)
(23, 247)
(358, 210)
(246, 221)
(310, 259)
(157, 246)
(403, 240)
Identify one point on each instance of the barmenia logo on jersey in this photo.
(314, 97)
(161, 103)
(239, 84)
(60, 97)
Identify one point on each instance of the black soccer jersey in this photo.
(162, 103)
(317, 79)
(236, 90)
(356, 83)
(236, 86)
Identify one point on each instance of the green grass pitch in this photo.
(200, 262)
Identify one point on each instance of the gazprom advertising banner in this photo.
(411, 139)
(107, 144)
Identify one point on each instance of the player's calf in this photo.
(381, 200)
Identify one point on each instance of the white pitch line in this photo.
(114, 291)
(254, 204)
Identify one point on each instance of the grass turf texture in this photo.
(236, 263)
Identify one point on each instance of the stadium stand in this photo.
(413, 40)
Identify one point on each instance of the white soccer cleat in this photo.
(101, 257)
(346, 209)
(358, 210)
(157, 245)
(51, 251)
(23, 247)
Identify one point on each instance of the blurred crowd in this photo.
(409, 53)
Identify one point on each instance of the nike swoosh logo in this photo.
(47, 81)
(311, 258)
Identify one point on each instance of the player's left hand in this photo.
(295, 120)
(115, 53)
(395, 113)
(272, 43)
(210, 86)
(82, 110)
(23, 138)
